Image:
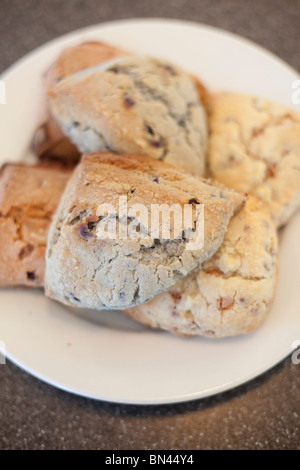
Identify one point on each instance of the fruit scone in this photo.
(49, 142)
(135, 105)
(229, 294)
(254, 146)
(93, 259)
(29, 196)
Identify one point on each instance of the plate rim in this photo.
(170, 400)
(151, 20)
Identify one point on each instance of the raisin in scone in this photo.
(254, 146)
(49, 142)
(232, 292)
(135, 105)
(29, 196)
(96, 259)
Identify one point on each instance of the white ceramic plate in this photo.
(104, 355)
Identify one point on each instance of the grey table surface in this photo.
(262, 414)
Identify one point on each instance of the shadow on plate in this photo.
(111, 319)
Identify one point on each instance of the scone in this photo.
(232, 292)
(112, 258)
(79, 57)
(29, 196)
(135, 105)
(49, 142)
(254, 146)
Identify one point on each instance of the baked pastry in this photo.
(52, 146)
(254, 146)
(79, 57)
(232, 292)
(49, 142)
(29, 196)
(89, 265)
(135, 105)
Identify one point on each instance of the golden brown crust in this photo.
(141, 173)
(202, 91)
(29, 196)
(79, 57)
(51, 145)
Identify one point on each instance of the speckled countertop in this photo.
(263, 414)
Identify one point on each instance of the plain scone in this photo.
(29, 195)
(88, 270)
(232, 292)
(254, 146)
(137, 105)
(49, 142)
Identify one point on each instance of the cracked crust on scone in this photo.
(232, 292)
(135, 105)
(254, 146)
(29, 196)
(87, 269)
(49, 142)
(79, 57)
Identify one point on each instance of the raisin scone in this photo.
(49, 142)
(134, 105)
(102, 250)
(29, 195)
(229, 294)
(254, 146)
